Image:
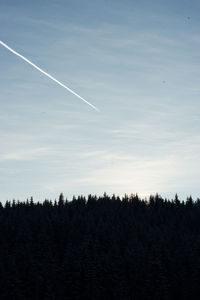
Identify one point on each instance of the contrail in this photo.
(48, 75)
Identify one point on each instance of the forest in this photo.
(104, 247)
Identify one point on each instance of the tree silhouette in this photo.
(103, 247)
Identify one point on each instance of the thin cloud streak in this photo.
(48, 75)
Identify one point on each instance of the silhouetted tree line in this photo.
(100, 248)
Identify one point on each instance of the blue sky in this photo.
(137, 61)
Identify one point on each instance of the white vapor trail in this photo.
(48, 75)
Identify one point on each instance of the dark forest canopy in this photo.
(126, 197)
(100, 248)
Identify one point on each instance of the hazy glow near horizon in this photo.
(47, 74)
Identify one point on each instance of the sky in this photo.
(137, 61)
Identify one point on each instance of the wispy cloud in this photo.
(25, 155)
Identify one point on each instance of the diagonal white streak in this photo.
(48, 75)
